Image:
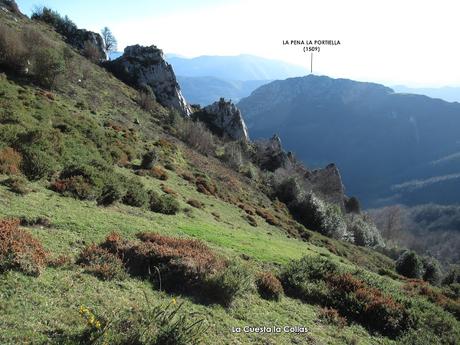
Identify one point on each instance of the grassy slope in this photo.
(33, 309)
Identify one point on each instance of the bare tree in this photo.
(110, 42)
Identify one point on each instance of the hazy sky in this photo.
(413, 42)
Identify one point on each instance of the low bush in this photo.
(165, 204)
(410, 265)
(320, 216)
(19, 250)
(332, 317)
(205, 186)
(432, 270)
(158, 173)
(149, 160)
(195, 203)
(13, 52)
(363, 230)
(136, 194)
(320, 281)
(251, 220)
(146, 101)
(269, 286)
(91, 52)
(233, 281)
(269, 218)
(37, 163)
(10, 161)
(90, 182)
(48, 65)
(17, 184)
(101, 263)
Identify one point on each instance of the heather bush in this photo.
(166, 204)
(331, 316)
(410, 265)
(10, 161)
(19, 250)
(101, 263)
(37, 163)
(269, 286)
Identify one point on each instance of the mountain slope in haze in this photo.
(389, 147)
(240, 67)
(447, 93)
(206, 90)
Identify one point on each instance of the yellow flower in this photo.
(174, 301)
(97, 324)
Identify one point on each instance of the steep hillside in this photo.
(389, 147)
(122, 222)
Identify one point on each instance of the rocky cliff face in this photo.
(80, 37)
(224, 119)
(145, 68)
(327, 183)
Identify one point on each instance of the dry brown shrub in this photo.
(168, 190)
(269, 218)
(59, 261)
(251, 220)
(91, 52)
(19, 250)
(332, 316)
(195, 203)
(269, 286)
(10, 161)
(158, 173)
(146, 101)
(102, 263)
(205, 186)
(13, 51)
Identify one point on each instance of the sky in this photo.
(410, 42)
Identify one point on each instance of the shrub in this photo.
(90, 182)
(10, 161)
(321, 216)
(269, 218)
(165, 204)
(101, 263)
(19, 250)
(195, 203)
(13, 52)
(158, 173)
(48, 65)
(331, 316)
(17, 184)
(352, 205)
(136, 195)
(289, 190)
(91, 52)
(146, 101)
(432, 270)
(37, 164)
(269, 286)
(410, 265)
(453, 276)
(205, 186)
(363, 230)
(230, 283)
(251, 220)
(196, 135)
(149, 160)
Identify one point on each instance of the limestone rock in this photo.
(224, 119)
(146, 69)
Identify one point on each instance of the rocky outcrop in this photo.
(146, 69)
(79, 38)
(327, 183)
(224, 119)
(10, 6)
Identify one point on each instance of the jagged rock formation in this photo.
(145, 68)
(11, 6)
(224, 119)
(81, 37)
(327, 183)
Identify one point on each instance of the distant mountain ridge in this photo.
(390, 147)
(447, 93)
